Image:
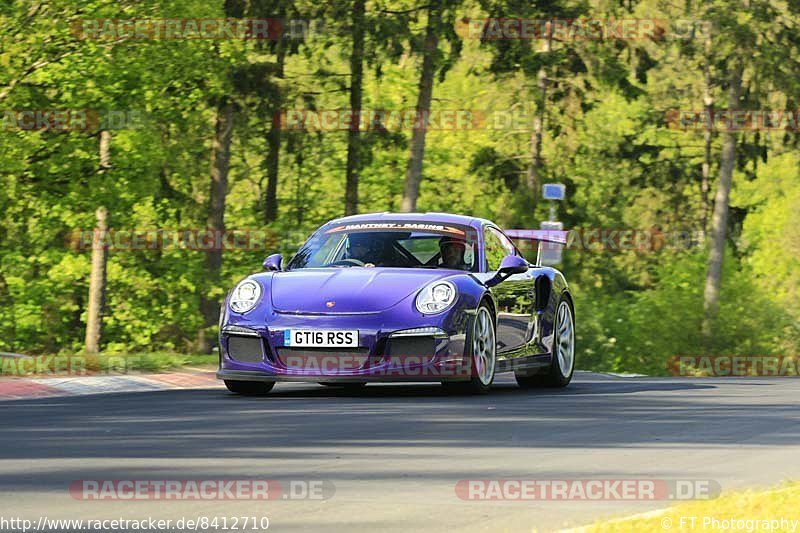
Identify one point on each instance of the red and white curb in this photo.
(20, 389)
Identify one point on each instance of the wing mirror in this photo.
(510, 265)
(273, 262)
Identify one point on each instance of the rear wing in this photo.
(554, 238)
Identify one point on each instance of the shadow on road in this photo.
(305, 419)
(499, 389)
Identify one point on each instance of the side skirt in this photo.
(528, 363)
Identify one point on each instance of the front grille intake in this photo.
(246, 349)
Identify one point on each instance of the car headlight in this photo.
(245, 296)
(436, 297)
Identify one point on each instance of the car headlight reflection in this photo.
(436, 297)
(245, 296)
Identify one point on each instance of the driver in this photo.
(452, 252)
(365, 247)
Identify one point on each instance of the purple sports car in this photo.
(399, 297)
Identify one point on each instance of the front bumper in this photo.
(253, 352)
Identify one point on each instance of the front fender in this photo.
(262, 312)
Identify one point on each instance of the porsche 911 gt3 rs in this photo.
(399, 297)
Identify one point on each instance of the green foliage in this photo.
(639, 331)
(606, 136)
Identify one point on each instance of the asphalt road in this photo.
(395, 452)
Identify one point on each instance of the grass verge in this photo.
(773, 510)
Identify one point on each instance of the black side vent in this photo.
(412, 346)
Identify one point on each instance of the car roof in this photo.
(447, 218)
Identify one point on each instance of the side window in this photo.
(506, 242)
(493, 248)
(497, 246)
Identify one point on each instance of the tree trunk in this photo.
(414, 172)
(354, 132)
(705, 183)
(220, 164)
(708, 104)
(272, 161)
(535, 166)
(719, 220)
(105, 151)
(97, 279)
(298, 189)
(8, 325)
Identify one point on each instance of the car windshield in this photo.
(390, 244)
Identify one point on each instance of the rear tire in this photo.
(562, 365)
(249, 388)
(482, 350)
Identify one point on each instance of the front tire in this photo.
(482, 350)
(562, 365)
(249, 388)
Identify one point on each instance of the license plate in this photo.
(321, 338)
